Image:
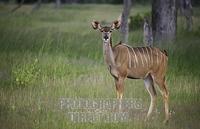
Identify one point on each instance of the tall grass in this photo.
(69, 54)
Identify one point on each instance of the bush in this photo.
(147, 15)
(136, 22)
(27, 74)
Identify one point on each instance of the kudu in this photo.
(147, 63)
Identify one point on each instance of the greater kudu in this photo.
(147, 63)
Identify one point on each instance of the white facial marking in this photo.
(105, 40)
(106, 36)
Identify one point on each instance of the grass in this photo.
(70, 58)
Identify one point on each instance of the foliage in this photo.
(137, 21)
(147, 15)
(27, 74)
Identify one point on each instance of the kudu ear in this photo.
(116, 24)
(96, 25)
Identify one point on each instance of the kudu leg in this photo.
(149, 85)
(165, 94)
(119, 83)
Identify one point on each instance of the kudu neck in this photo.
(108, 53)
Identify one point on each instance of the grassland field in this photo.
(53, 53)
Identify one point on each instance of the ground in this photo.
(53, 53)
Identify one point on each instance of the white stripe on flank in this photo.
(136, 60)
(129, 57)
(140, 57)
(151, 56)
(148, 56)
(145, 57)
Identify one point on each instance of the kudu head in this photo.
(106, 30)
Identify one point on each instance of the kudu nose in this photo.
(105, 37)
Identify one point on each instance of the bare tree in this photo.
(186, 10)
(164, 20)
(58, 3)
(147, 33)
(37, 5)
(124, 20)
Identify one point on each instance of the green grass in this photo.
(70, 58)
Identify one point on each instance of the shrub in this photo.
(25, 75)
(137, 21)
(147, 15)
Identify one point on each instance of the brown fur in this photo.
(157, 69)
(147, 63)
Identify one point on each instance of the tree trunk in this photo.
(58, 3)
(164, 20)
(147, 33)
(124, 20)
(186, 10)
(37, 5)
(71, 1)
